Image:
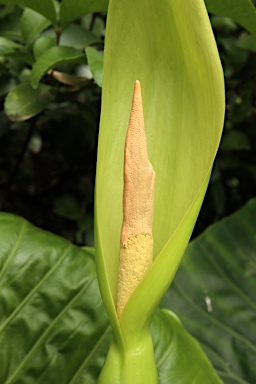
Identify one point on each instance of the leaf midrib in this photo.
(214, 320)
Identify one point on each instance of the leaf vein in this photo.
(45, 334)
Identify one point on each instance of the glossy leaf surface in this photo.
(24, 102)
(53, 57)
(214, 294)
(169, 47)
(53, 326)
(241, 11)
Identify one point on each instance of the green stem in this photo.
(133, 365)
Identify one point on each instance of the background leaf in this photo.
(53, 327)
(69, 12)
(77, 37)
(22, 56)
(95, 61)
(42, 44)
(72, 36)
(10, 23)
(31, 24)
(241, 11)
(45, 8)
(23, 101)
(53, 57)
(214, 294)
(8, 46)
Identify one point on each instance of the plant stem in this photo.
(134, 365)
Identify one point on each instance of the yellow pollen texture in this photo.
(134, 261)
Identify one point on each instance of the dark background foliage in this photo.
(47, 161)
(233, 180)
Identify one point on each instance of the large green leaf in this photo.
(69, 12)
(53, 327)
(45, 8)
(242, 11)
(24, 102)
(168, 46)
(214, 294)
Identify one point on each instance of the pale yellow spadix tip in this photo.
(136, 249)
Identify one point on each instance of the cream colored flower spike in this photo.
(136, 250)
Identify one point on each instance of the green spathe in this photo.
(169, 46)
